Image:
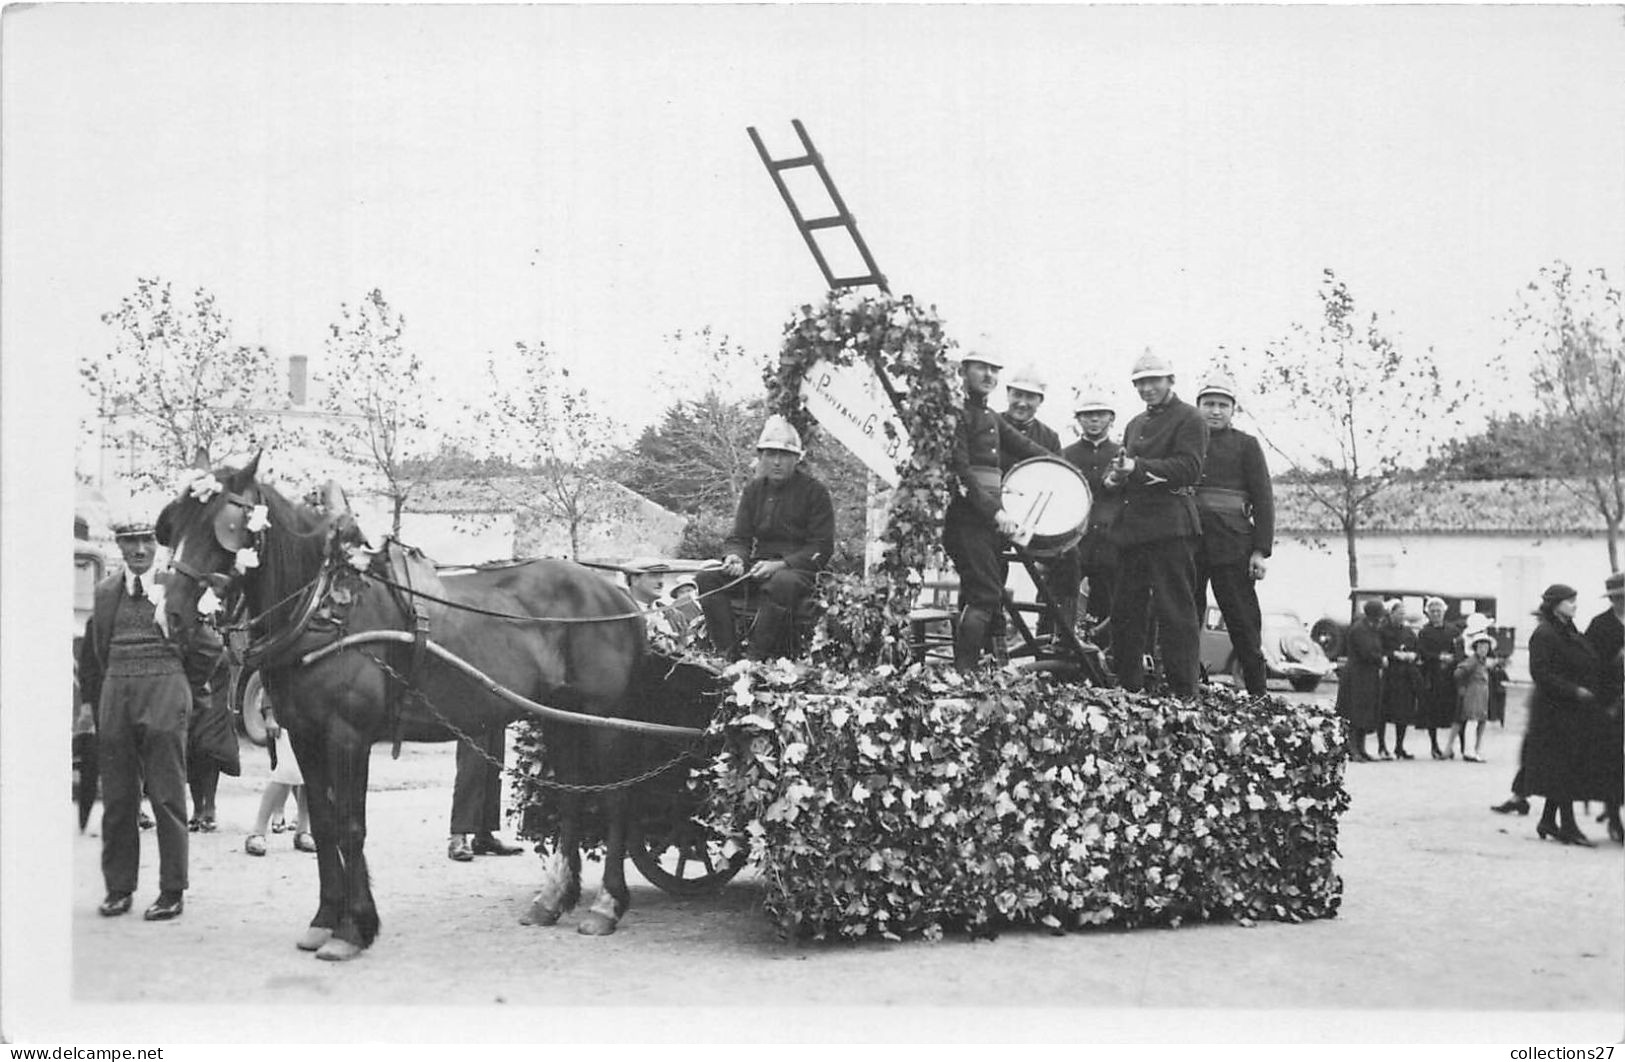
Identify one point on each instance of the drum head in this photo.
(1049, 497)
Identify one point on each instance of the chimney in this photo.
(296, 379)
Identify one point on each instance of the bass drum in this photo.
(1050, 500)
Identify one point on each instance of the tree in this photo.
(1510, 447)
(550, 428)
(1350, 410)
(378, 390)
(1575, 329)
(174, 385)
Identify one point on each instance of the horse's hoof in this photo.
(537, 915)
(338, 950)
(594, 924)
(315, 937)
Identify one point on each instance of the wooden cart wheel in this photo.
(691, 866)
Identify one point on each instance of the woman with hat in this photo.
(1563, 710)
(1436, 649)
(1606, 633)
(1359, 688)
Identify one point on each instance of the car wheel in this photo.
(1306, 683)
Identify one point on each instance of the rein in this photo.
(618, 618)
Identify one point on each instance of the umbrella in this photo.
(84, 764)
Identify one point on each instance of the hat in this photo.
(1027, 378)
(1615, 585)
(1474, 637)
(1217, 383)
(1148, 365)
(133, 528)
(1091, 402)
(779, 434)
(686, 580)
(1373, 610)
(646, 566)
(1558, 592)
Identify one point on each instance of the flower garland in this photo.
(865, 621)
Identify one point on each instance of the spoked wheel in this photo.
(684, 862)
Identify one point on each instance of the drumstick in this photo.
(1024, 533)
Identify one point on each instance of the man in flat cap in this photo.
(134, 675)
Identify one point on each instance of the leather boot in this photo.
(971, 638)
(768, 633)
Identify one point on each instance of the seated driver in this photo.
(783, 535)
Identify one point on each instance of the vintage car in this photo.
(1289, 652)
(1332, 634)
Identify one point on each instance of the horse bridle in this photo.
(231, 532)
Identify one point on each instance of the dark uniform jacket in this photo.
(1168, 443)
(1235, 499)
(794, 523)
(984, 440)
(1607, 636)
(1092, 459)
(1037, 431)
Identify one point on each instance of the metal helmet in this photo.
(1150, 364)
(1217, 383)
(1091, 402)
(1027, 378)
(779, 434)
(979, 349)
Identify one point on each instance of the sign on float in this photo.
(849, 404)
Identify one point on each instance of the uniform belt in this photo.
(1221, 500)
(987, 478)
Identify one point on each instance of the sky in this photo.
(1071, 184)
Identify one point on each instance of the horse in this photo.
(548, 630)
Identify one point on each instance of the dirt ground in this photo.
(1458, 925)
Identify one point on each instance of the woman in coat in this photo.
(1436, 706)
(1563, 713)
(1401, 681)
(1359, 688)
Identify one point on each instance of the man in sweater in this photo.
(976, 526)
(783, 535)
(1237, 506)
(134, 675)
(1157, 531)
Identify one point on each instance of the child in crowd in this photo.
(1473, 683)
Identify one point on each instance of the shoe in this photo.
(206, 824)
(1359, 756)
(278, 824)
(304, 841)
(117, 903)
(145, 821)
(1545, 830)
(1616, 831)
(255, 844)
(491, 844)
(1438, 755)
(167, 906)
(1507, 807)
(1401, 754)
(1572, 835)
(191, 825)
(1383, 754)
(1470, 758)
(459, 849)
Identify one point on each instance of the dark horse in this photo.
(309, 588)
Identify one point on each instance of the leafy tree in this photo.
(379, 392)
(1575, 329)
(552, 430)
(1349, 410)
(174, 385)
(1509, 447)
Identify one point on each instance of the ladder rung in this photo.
(837, 222)
(790, 164)
(857, 282)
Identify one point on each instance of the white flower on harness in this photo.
(247, 557)
(259, 518)
(360, 558)
(208, 604)
(204, 486)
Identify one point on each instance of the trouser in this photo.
(1061, 577)
(777, 599)
(1237, 598)
(973, 544)
(476, 792)
(141, 748)
(1157, 577)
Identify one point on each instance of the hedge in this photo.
(904, 804)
